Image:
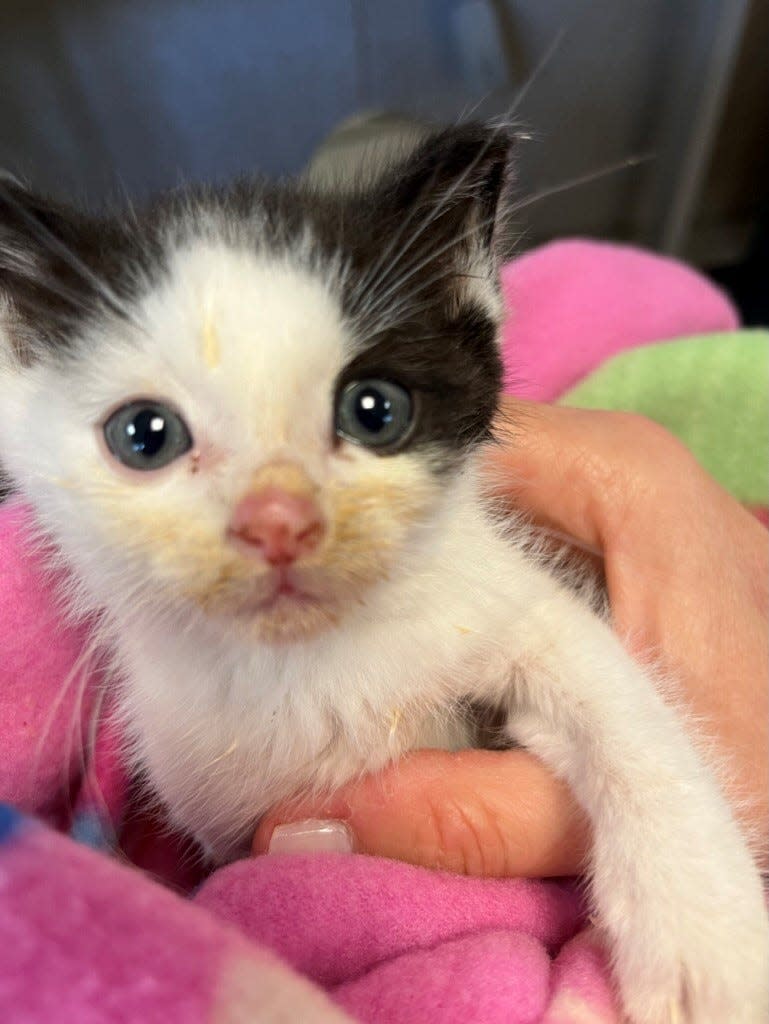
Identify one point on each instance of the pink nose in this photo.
(278, 526)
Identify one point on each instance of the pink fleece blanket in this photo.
(86, 937)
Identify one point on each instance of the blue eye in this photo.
(375, 413)
(146, 435)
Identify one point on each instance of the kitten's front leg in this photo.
(673, 884)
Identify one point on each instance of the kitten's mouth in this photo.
(280, 610)
(286, 590)
(283, 589)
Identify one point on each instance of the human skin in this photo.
(687, 574)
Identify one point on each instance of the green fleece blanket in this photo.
(711, 391)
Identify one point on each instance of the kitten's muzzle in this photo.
(276, 526)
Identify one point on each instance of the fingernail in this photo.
(311, 837)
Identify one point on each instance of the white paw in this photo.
(696, 962)
(680, 998)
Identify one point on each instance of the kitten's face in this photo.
(264, 413)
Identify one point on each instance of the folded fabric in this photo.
(87, 940)
(709, 390)
(575, 303)
(393, 942)
(90, 939)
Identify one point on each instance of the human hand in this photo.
(687, 573)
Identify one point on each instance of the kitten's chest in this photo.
(224, 741)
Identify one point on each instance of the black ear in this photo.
(54, 268)
(459, 180)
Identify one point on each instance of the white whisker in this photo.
(536, 72)
(545, 193)
(440, 208)
(378, 274)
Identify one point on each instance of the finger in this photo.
(474, 812)
(585, 473)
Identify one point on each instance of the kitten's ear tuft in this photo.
(33, 230)
(46, 284)
(462, 176)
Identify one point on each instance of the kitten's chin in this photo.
(287, 618)
(283, 607)
(283, 612)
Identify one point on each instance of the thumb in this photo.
(476, 812)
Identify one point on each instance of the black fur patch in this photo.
(453, 366)
(51, 258)
(411, 244)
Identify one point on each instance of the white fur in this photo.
(225, 726)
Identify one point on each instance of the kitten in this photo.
(250, 421)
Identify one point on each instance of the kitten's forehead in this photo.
(262, 335)
(268, 309)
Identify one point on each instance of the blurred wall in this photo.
(103, 97)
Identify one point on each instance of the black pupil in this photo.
(374, 410)
(147, 432)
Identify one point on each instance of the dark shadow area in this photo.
(748, 282)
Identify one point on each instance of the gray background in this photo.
(100, 97)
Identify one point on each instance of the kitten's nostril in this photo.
(277, 526)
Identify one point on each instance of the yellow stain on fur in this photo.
(395, 718)
(211, 349)
(230, 750)
(288, 476)
(190, 559)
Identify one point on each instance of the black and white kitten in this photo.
(250, 421)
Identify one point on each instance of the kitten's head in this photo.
(249, 402)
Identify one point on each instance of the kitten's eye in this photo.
(146, 435)
(376, 413)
